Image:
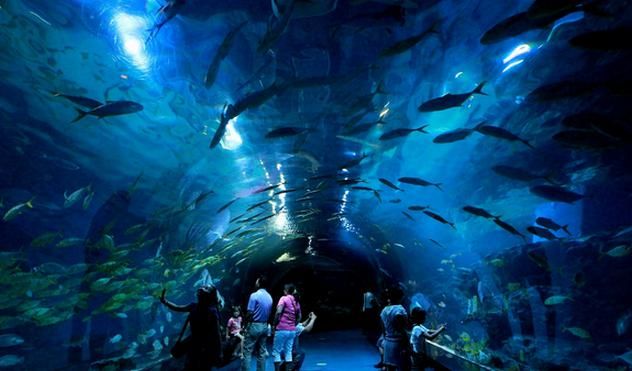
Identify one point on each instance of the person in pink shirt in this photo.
(288, 315)
(233, 333)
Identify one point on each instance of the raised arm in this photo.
(172, 306)
(309, 323)
(432, 334)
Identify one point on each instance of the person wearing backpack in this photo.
(288, 315)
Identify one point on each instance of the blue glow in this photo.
(512, 65)
(231, 140)
(518, 51)
(570, 18)
(130, 29)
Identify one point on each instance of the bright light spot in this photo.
(231, 140)
(518, 51)
(384, 112)
(278, 167)
(130, 29)
(458, 74)
(512, 65)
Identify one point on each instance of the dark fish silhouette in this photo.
(276, 29)
(479, 212)
(353, 162)
(450, 100)
(418, 182)
(438, 218)
(541, 232)
(227, 205)
(500, 133)
(509, 228)
(453, 136)
(417, 208)
(82, 101)
(408, 43)
(554, 193)
(287, 131)
(111, 108)
(514, 26)
(167, 12)
(408, 216)
(551, 224)
(518, 174)
(398, 133)
(221, 54)
(388, 183)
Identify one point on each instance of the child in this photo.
(233, 333)
(420, 358)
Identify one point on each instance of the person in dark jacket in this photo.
(206, 340)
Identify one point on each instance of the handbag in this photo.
(181, 347)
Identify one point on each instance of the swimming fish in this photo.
(541, 232)
(419, 182)
(554, 193)
(110, 108)
(283, 132)
(402, 132)
(221, 54)
(453, 136)
(450, 100)
(552, 225)
(439, 218)
(556, 300)
(74, 197)
(509, 228)
(479, 212)
(225, 206)
(500, 133)
(276, 29)
(82, 101)
(388, 183)
(408, 216)
(16, 210)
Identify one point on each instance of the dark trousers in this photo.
(296, 364)
(420, 362)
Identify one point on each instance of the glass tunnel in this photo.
(401, 184)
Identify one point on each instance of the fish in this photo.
(436, 243)
(513, 26)
(418, 208)
(556, 300)
(408, 216)
(168, 11)
(577, 331)
(619, 251)
(283, 132)
(419, 182)
(284, 191)
(10, 360)
(439, 218)
(45, 239)
(406, 44)
(87, 200)
(115, 339)
(18, 209)
(623, 323)
(509, 228)
(353, 162)
(82, 101)
(10, 340)
(479, 212)
(402, 132)
(614, 39)
(450, 100)
(541, 232)
(269, 188)
(453, 136)
(552, 225)
(515, 173)
(110, 108)
(555, 193)
(500, 133)
(389, 184)
(276, 29)
(227, 205)
(69, 242)
(395, 201)
(221, 54)
(74, 197)
(259, 204)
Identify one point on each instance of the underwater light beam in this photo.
(130, 29)
(231, 139)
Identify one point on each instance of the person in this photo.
(395, 339)
(256, 326)
(204, 350)
(234, 337)
(288, 315)
(298, 356)
(420, 358)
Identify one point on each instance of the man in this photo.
(298, 356)
(256, 326)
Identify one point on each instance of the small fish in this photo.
(439, 218)
(284, 191)
(556, 300)
(388, 183)
(551, 224)
(479, 212)
(353, 162)
(498, 263)
(276, 29)
(10, 340)
(221, 54)
(419, 182)
(69, 242)
(259, 204)
(450, 100)
(441, 304)
(10, 360)
(453, 136)
(395, 201)
(116, 338)
(45, 239)
(87, 200)
(111, 108)
(227, 205)
(16, 210)
(500, 133)
(408, 216)
(418, 208)
(509, 228)
(74, 197)
(619, 251)
(283, 132)
(408, 43)
(541, 232)
(402, 132)
(82, 101)
(436, 243)
(555, 193)
(578, 331)
(269, 188)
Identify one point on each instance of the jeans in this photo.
(255, 340)
(283, 342)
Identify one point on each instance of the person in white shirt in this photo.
(418, 336)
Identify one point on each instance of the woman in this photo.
(206, 343)
(395, 339)
(288, 315)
